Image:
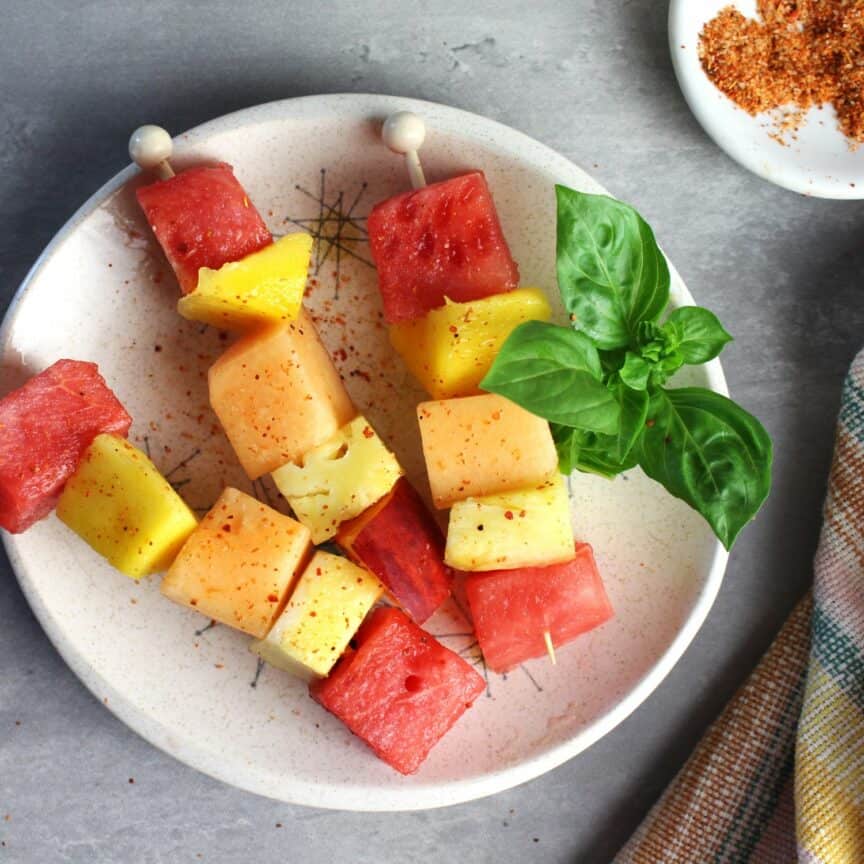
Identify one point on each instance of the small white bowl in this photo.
(818, 161)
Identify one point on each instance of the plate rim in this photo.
(815, 187)
(357, 797)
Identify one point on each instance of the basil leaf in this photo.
(649, 331)
(653, 351)
(612, 361)
(709, 452)
(597, 459)
(604, 454)
(567, 443)
(636, 371)
(697, 333)
(668, 364)
(634, 413)
(579, 450)
(555, 373)
(611, 273)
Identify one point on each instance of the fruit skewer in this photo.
(327, 479)
(326, 460)
(493, 463)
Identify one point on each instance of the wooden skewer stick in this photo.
(404, 133)
(550, 648)
(150, 148)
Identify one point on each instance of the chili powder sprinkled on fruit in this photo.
(800, 53)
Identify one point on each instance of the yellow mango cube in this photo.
(277, 395)
(239, 565)
(265, 287)
(450, 349)
(119, 503)
(323, 613)
(527, 528)
(339, 479)
(482, 445)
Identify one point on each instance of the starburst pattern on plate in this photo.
(336, 228)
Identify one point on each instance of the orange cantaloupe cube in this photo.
(482, 445)
(277, 395)
(239, 565)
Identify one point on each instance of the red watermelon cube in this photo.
(45, 427)
(512, 609)
(400, 542)
(202, 217)
(443, 240)
(400, 690)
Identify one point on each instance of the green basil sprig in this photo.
(601, 381)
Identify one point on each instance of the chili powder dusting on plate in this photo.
(797, 55)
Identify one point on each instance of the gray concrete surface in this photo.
(594, 81)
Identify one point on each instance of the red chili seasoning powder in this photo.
(798, 54)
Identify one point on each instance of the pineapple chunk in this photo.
(265, 287)
(450, 349)
(278, 395)
(239, 565)
(119, 503)
(528, 528)
(339, 479)
(482, 445)
(329, 603)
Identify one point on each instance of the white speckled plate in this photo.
(817, 161)
(102, 291)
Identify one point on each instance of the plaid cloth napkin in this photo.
(779, 777)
